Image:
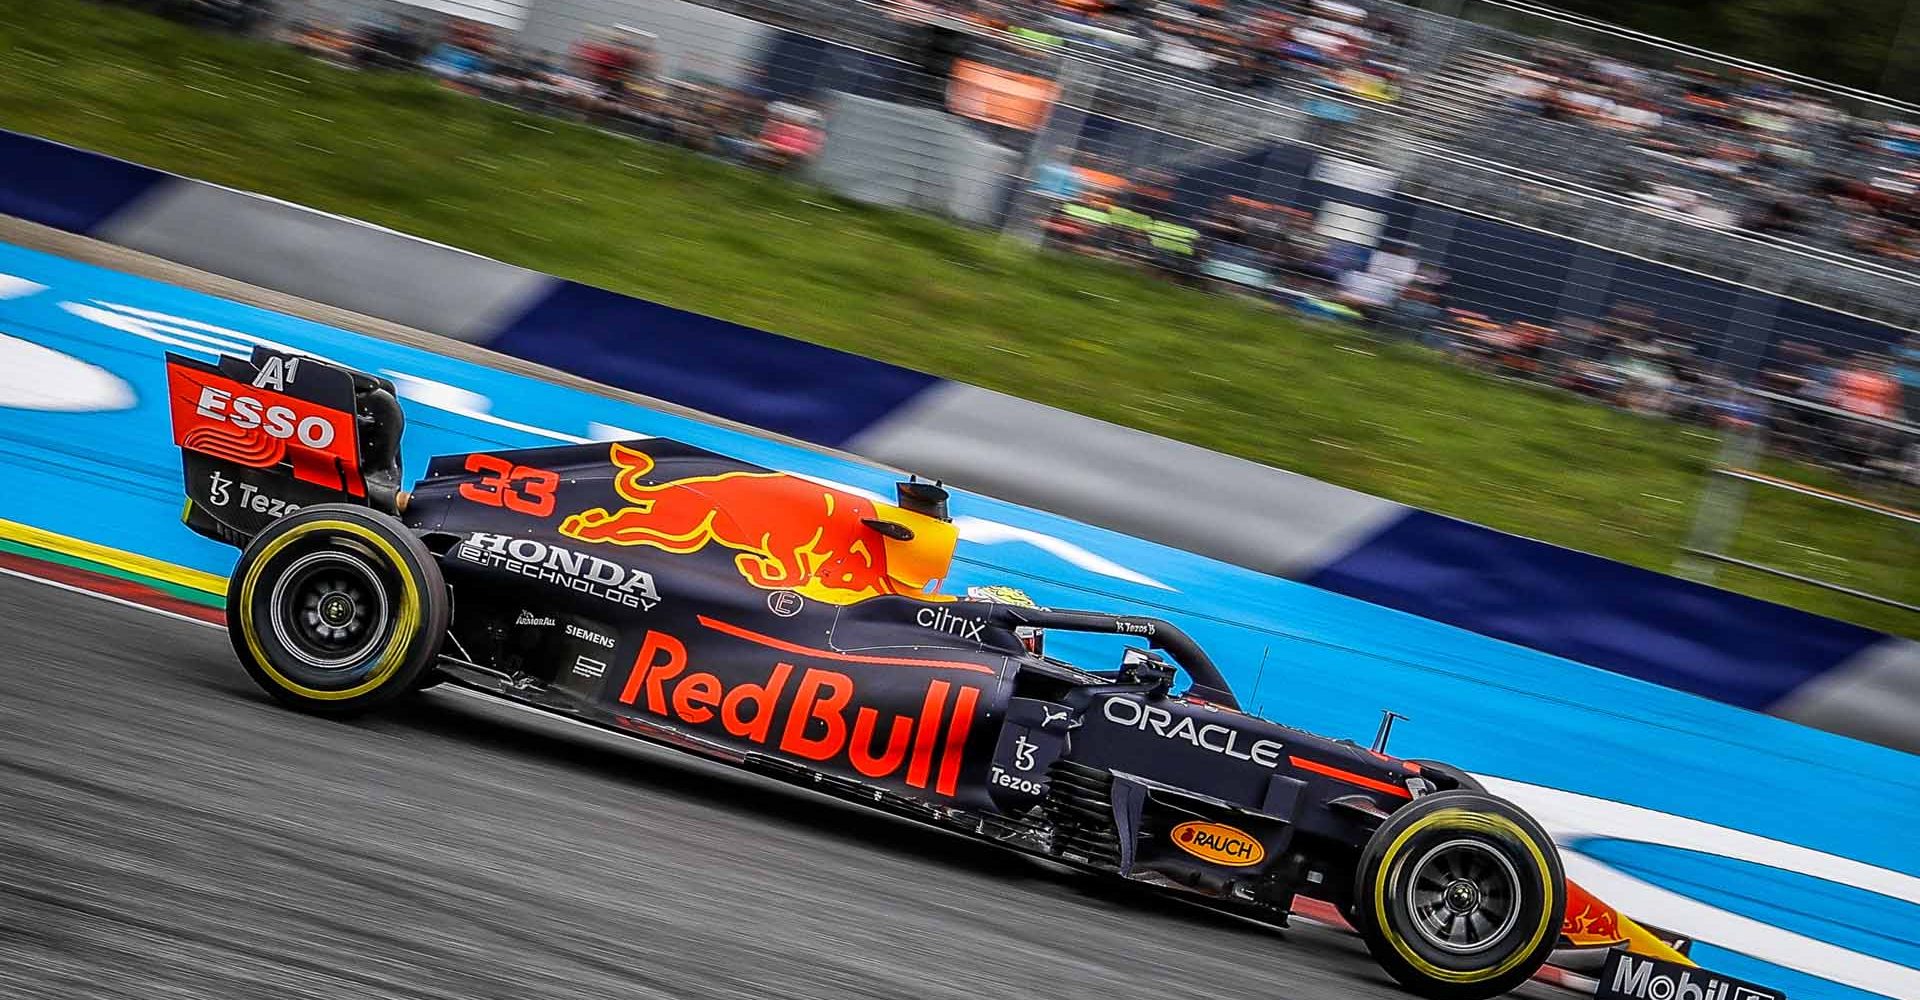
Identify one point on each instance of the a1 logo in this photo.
(276, 373)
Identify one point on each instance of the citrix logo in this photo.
(942, 620)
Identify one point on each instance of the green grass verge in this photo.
(69, 560)
(1321, 400)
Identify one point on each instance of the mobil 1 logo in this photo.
(1631, 977)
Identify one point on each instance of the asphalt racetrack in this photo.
(166, 831)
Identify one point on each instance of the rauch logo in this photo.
(1218, 843)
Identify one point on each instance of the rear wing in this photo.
(261, 437)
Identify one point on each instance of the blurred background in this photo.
(1674, 286)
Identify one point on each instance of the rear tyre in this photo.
(1460, 896)
(336, 609)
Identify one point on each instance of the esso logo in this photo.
(246, 413)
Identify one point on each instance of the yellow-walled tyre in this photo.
(336, 609)
(1460, 895)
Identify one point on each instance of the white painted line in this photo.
(37, 377)
(12, 287)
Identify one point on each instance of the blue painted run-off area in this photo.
(1645, 625)
(90, 457)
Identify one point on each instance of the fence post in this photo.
(1057, 139)
(1722, 502)
(1750, 328)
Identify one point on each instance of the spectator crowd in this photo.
(1732, 151)
(611, 77)
(1842, 409)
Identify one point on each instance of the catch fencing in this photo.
(1543, 198)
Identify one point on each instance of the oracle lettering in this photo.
(1209, 736)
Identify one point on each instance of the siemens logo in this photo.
(593, 637)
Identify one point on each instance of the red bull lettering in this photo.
(810, 713)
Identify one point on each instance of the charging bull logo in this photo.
(1590, 923)
(791, 534)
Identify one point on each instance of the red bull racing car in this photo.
(792, 627)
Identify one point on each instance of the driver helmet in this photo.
(1031, 637)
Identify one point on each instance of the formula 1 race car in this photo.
(791, 627)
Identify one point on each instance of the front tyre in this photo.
(1460, 895)
(336, 609)
(1448, 777)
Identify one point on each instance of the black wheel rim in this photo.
(1465, 896)
(329, 610)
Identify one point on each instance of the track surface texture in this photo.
(166, 831)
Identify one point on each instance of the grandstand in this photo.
(1543, 197)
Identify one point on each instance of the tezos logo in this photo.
(220, 494)
(942, 620)
(576, 571)
(1023, 750)
(1025, 786)
(1218, 843)
(1630, 977)
(1125, 627)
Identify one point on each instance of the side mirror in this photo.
(891, 529)
(923, 498)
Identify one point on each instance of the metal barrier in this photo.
(1880, 453)
(1569, 133)
(1528, 193)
